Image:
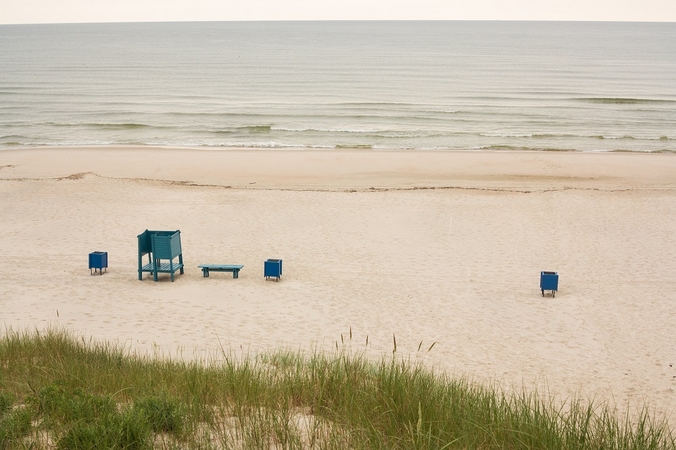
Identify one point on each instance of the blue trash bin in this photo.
(549, 281)
(272, 269)
(98, 260)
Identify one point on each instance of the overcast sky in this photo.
(67, 11)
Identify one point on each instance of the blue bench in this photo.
(234, 268)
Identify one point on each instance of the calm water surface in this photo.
(380, 85)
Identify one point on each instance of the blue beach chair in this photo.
(162, 248)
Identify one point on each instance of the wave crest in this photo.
(622, 100)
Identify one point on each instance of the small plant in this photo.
(126, 430)
(60, 405)
(14, 426)
(162, 414)
(6, 402)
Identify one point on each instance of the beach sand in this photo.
(441, 248)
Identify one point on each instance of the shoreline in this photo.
(430, 247)
(356, 148)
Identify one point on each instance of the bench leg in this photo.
(205, 272)
(235, 273)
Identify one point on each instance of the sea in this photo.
(405, 85)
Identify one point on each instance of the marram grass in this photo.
(60, 392)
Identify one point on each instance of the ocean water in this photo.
(380, 85)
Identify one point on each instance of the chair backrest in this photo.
(144, 243)
(162, 244)
(166, 246)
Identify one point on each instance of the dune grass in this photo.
(60, 392)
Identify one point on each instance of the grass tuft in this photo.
(163, 414)
(14, 426)
(125, 430)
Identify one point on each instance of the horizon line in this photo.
(337, 20)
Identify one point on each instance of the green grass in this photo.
(60, 392)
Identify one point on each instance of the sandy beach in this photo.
(440, 248)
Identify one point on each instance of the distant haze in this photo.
(74, 11)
